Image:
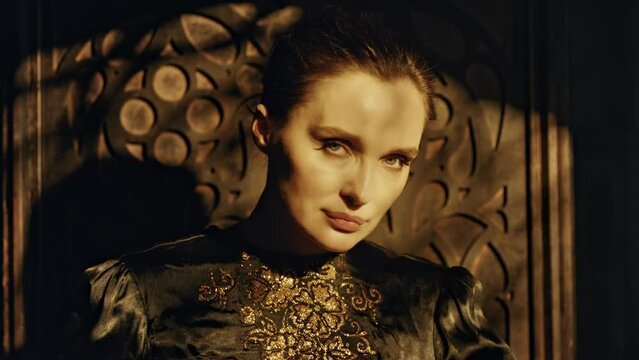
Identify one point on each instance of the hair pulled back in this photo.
(333, 43)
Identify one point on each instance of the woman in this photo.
(341, 118)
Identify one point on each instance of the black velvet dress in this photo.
(214, 297)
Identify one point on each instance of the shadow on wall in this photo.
(100, 212)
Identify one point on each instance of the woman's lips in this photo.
(344, 222)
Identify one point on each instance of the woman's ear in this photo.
(263, 128)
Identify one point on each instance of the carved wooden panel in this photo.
(185, 104)
(465, 203)
(143, 135)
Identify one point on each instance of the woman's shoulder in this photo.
(170, 269)
(184, 256)
(125, 293)
(377, 257)
(414, 269)
(206, 246)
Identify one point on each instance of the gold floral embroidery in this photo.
(363, 298)
(271, 290)
(216, 290)
(249, 315)
(317, 309)
(307, 317)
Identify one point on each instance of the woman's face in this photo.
(346, 152)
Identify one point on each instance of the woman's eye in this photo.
(334, 147)
(397, 162)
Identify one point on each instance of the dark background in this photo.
(604, 121)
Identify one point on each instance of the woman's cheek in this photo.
(394, 186)
(317, 173)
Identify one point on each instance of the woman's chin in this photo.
(338, 242)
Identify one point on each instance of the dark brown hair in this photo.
(333, 43)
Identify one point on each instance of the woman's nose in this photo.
(356, 191)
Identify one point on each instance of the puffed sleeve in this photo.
(117, 321)
(462, 330)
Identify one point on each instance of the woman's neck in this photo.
(272, 228)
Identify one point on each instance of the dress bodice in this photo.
(213, 296)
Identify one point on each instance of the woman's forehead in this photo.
(362, 104)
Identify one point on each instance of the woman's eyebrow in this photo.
(356, 141)
(409, 153)
(330, 131)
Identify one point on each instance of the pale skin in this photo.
(336, 165)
